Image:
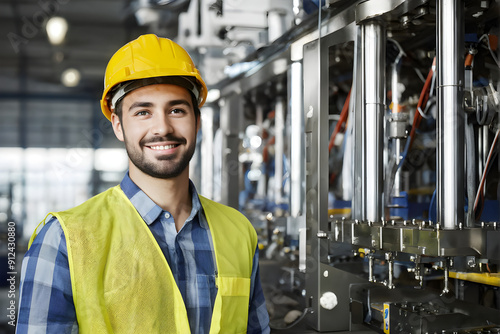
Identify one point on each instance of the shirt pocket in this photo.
(198, 290)
(234, 286)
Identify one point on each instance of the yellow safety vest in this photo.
(121, 280)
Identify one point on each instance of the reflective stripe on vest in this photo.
(122, 283)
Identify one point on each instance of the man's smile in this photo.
(162, 147)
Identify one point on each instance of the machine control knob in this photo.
(328, 300)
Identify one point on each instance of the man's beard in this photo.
(158, 169)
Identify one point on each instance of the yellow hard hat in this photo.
(150, 56)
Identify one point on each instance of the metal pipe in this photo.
(298, 11)
(207, 152)
(373, 67)
(371, 278)
(390, 261)
(357, 159)
(279, 148)
(297, 141)
(276, 19)
(450, 135)
(259, 121)
(446, 288)
(230, 124)
(396, 137)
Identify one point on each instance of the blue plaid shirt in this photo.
(46, 299)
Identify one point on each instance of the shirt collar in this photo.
(149, 210)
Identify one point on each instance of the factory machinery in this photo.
(368, 162)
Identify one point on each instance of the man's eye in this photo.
(177, 111)
(142, 113)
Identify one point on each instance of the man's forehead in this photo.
(157, 92)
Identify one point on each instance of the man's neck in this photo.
(171, 194)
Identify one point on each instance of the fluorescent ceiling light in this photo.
(70, 77)
(57, 27)
(213, 95)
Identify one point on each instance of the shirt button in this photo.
(167, 215)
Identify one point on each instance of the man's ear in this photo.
(198, 124)
(117, 126)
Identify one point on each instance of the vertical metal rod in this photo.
(396, 140)
(230, 124)
(259, 120)
(390, 259)
(485, 140)
(277, 24)
(396, 190)
(446, 287)
(297, 142)
(373, 66)
(358, 159)
(450, 134)
(370, 268)
(259, 117)
(481, 155)
(279, 149)
(207, 152)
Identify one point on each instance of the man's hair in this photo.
(118, 109)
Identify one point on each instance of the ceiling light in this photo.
(146, 16)
(57, 27)
(213, 95)
(70, 77)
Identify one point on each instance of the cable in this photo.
(485, 172)
(401, 51)
(419, 114)
(419, 74)
(299, 319)
(489, 47)
(482, 116)
(343, 117)
(422, 102)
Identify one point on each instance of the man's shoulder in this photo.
(227, 218)
(111, 194)
(209, 205)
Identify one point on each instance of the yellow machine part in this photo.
(483, 278)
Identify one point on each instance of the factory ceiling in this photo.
(38, 110)
(223, 37)
(31, 65)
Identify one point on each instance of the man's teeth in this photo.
(160, 147)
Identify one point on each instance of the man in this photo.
(150, 255)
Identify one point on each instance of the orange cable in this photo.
(343, 117)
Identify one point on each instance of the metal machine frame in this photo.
(446, 241)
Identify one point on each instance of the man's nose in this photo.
(161, 125)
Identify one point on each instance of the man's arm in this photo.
(46, 298)
(258, 318)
